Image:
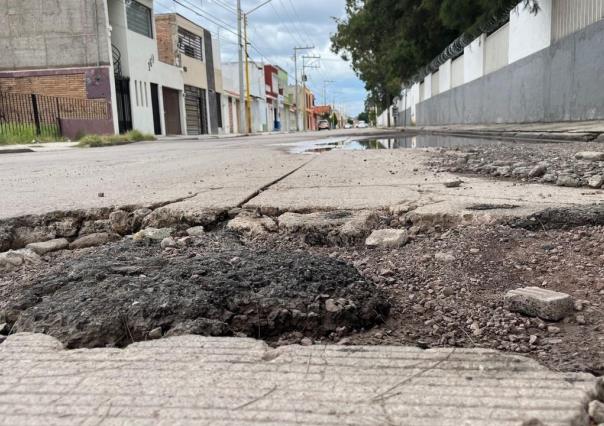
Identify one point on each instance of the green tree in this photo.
(389, 41)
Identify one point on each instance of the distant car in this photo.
(348, 126)
(362, 125)
(323, 125)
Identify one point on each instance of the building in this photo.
(273, 109)
(310, 118)
(257, 93)
(190, 47)
(93, 50)
(544, 67)
(148, 92)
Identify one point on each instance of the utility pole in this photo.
(325, 83)
(297, 89)
(304, 66)
(239, 36)
(248, 97)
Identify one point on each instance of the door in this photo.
(172, 111)
(196, 111)
(124, 111)
(155, 106)
(231, 127)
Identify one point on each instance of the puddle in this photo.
(394, 142)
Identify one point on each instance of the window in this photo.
(146, 96)
(190, 44)
(140, 18)
(136, 90)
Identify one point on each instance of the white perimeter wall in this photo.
(529, 33)
(444, 76)
(473, 64)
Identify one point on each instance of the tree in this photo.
(389, 41)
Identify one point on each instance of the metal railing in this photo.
(40, 116)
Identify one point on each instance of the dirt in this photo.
(443, 289)
(459, 302)
(214, 285)
(547, 163)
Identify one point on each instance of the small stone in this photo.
(153, 234)
(533, 339)
(332, 306)
(453, 183)
(596, 411)
(474, 251)
(568, 181)
(14, 259)
(168, 242)
(48, 246)
(387, 238)
(538, 171)
(156, 333)
(101, 195)
(306, 342)
(91, 240)
(121, 222)
(344, 341)
(580, 319)
(253, 225)
(590, 156)
(596, 181)
(196, 231)
(448, 291)
(552, 329)
(444, 257)
(538, 302)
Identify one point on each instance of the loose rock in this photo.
(590, 156)
(387, 238)
(251, 224)
(596, 181)
(453, 183)
(153, 234)
(14, 259)
(196, 231)
(48, 246)
(121, 222)
(538, 302)
(596, 411)
(568, 181)
(91, 240)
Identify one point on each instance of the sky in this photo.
(274, 30)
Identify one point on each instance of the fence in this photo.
(572, 15)
(41, 116)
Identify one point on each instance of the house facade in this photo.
(149, 92)
(190, 47)
(257, 93)
(94, 50)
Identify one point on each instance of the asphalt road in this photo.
(223, 172)
(258, 172)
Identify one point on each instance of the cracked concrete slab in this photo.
(235, 381)
(389, 179)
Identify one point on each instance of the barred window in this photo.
(190, 44)
(140, 18)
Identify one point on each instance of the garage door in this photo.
(197, 116)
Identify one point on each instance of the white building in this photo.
(149, 93)
(230, 72)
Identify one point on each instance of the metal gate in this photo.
(124, 110)
(196, 110)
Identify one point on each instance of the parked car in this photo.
(362, 125)
(348, 126)
(323, 125)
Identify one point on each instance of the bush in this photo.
(22, 133)
(95, 141)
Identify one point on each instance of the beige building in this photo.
(192, 48)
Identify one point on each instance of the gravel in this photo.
(577, 164)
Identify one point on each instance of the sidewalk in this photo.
(563, 131)
(236, 381)
(36, 147)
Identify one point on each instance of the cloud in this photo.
(274, 30)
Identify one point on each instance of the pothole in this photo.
(127, 292)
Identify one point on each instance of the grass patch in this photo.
(18, 133)
(97, 141)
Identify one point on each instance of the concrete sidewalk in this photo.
(235, 381)
(562, 131)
